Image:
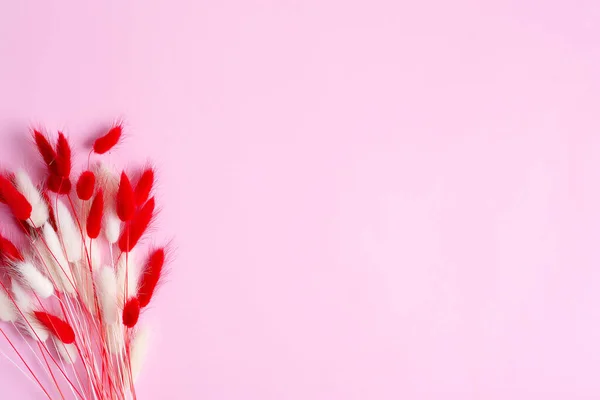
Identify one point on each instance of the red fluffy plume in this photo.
(125, 199)
(144, 186)
(44, 147)
(94, 220)
(109, 140)
(136, 227)
(151, 276)
(59, 328)
(9, 251)
(17, 203)
(62, 167)
(85, 185)
(58, 184)
(131, 312)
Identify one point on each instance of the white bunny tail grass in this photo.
(26, 321)
(95, 254)
(112, 226)
(67, 352)
(8, 312)
(115, 337)
(139, 349)
(106, 282)
(85, 286)
(21, 297)
(70, 234)
(106, 177)
(128, 277)
(35, 279)
(39, 209)
(110, 222)
(55, 261)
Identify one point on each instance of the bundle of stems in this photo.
(74, 287)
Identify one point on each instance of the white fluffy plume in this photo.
(68, 352)
(55, 261)
(106, 177)
(139, 349)
(115, 337)
(107, 288)
(128, 270)
(110, 221)
(85, 285)
(26, 320)
(21, 297)
(39, 209)
(70, 234)
(35, 279)
(112, 226)
(8, 312)
(94, 252)
(84, 277)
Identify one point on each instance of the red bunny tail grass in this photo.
(58, 184)
(150, 276)
(94, 220)
(59, 328)
(131, 312)
(144, 186)
(125, 200)
(85, 185)
(62, 166)
(44, 147)
(17, 203)
(136, 227)
(9, 251)
(109, 140)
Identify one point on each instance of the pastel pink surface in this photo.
(369, 199)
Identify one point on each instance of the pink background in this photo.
(370, 199)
